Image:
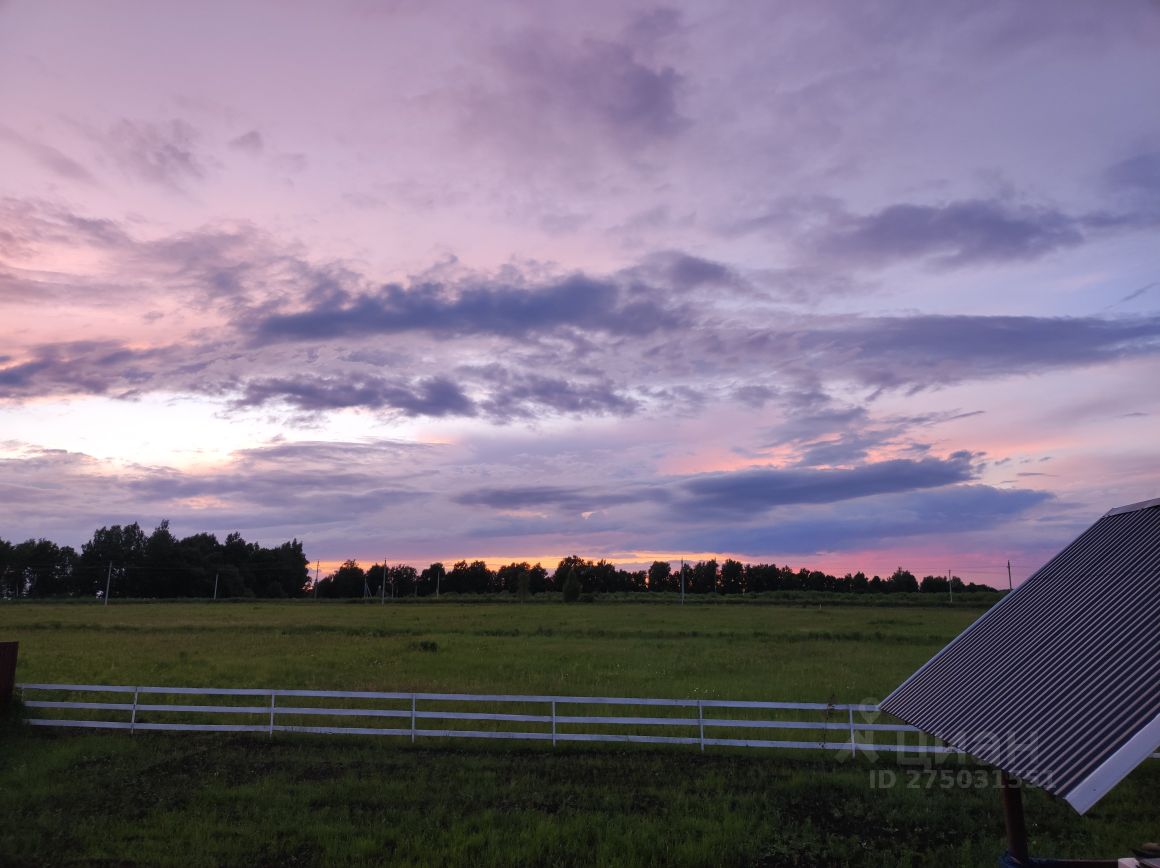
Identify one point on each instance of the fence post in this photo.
(133, 715)
(8, 651)
(853, 744)
(412, 718)
(701, 722)
(553, 723)
(273, 696)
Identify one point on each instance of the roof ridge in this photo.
(1132, 507)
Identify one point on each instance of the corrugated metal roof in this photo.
(1059, 683)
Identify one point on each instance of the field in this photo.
(156, 799)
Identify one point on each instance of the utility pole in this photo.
(682, 582)
(1008, 574)
(316, 580)
(383, 588)
(215, 583)
(108, 582)
(950, 586)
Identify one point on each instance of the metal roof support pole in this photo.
(1013, 817)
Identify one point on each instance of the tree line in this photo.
(132, 563)
(575, 576)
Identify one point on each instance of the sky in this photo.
(842, 285)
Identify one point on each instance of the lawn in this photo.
(799, 653)
(154, 799)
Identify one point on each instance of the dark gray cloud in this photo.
(434, 396)
(923, 350)
(574, 500)
(667, 332)
(576, 302)
(495, 392)
(867, 524)
(952, 235)
(165, 154)
(87, 367)
(958, 233)
(751, 492)
(606, 81)
(516, 394)
(240, 269)
(1137, 174)
(681, 271)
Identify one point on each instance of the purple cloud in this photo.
(606, 81)
(435, 396)
(164, 154)
(1137, 174)
(749, 492)
(250, 143)
(952, 235)
(901, 517)
(51, 158)
(577, 302)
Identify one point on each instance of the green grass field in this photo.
(112, 799)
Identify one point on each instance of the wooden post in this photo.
(1013, 818)
(8, 652)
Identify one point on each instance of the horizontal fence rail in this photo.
(857, 728)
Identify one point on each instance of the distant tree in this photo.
(521, 579)
(761, 577)
(431, 579)
(601, 578)
(10, 585)
(201, 565)
(469, 578)
(117, 551)
(509, 577)
(704, 577)
(160, 571)
(376, 576)
(576, 566)
(570, 585)
(660, 576)
(732, 577)
(36, 568)
(933, 585)
(404, 580)
(282, 571)
(538, 580)
(632, 581)
(902, 581)
(349, 580)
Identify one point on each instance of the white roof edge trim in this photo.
(1115, 768)
(1132, 507)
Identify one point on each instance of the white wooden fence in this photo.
(703, 722)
